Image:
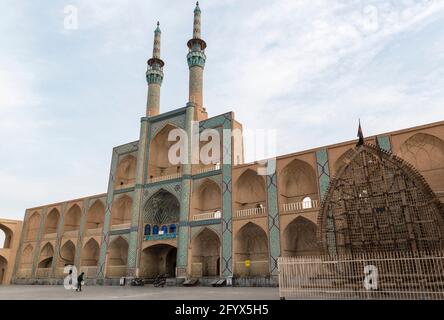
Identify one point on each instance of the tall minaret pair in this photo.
(154, 77)
(196, 63)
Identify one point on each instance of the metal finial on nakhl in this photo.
(158, 23)
(360, 135)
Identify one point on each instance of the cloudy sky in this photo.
(308, 69)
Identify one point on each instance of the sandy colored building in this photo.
(218, 220)
(11, 230)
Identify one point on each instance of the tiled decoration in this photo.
(323, 171)
(384, 143)
(177, 121)
(273, 221)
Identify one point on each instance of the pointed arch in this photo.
(118, 252)
(207, 197)
(72, 218)
(46, 256)
(162, 208)
(33, 226)
(158, 162)
(426, 153)
(90, 253)
(158, 259)
(297, 180)
(96, 215)
(300, 239)
(26, 257)
(205, 260)
(251, 243)
(250, 191)
(126, 172)
(6, 236)
(67, 254)
(52, 221)
(379, 202)
(121, 210)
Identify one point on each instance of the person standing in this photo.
(79, 282)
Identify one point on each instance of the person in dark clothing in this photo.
(79, 282)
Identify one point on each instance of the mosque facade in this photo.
(226, 219)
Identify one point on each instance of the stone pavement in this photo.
(148, 292)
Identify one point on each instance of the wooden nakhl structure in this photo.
(378, 203)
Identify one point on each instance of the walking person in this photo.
(79, 282)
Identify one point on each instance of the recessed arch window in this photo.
(147, 230)
(164, 229)
(156, 230)
(306, 203)
(173, 228)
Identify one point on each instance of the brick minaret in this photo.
(196, 62)
(154, 77)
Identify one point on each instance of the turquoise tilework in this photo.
(273, 221)
(323, 171)
(39, 240)
(384, 143)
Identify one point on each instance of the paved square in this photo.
(148, 292)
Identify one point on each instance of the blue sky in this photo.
(308, 69)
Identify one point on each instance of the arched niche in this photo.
(207, 197)
(249, 191)
(162, 208)
(33, 226)
(298, 182)
(251, 243)
(26, 257)
(300, 239)
(90, 253)
(52, 221)
(72, 219)
(95, 216)
(126, 172)
(159, 163)
(205, 252)
(121, 210)
(67, 254)
(46, 256)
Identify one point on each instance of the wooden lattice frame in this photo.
(379, 202)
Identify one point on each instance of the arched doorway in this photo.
(300, 239)
(96, 216)
(3, 269)
(157, 260)
(117, 258)
(205, 254)
(52, 221)
(45, 259)
(251, 244)
(72, 219)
